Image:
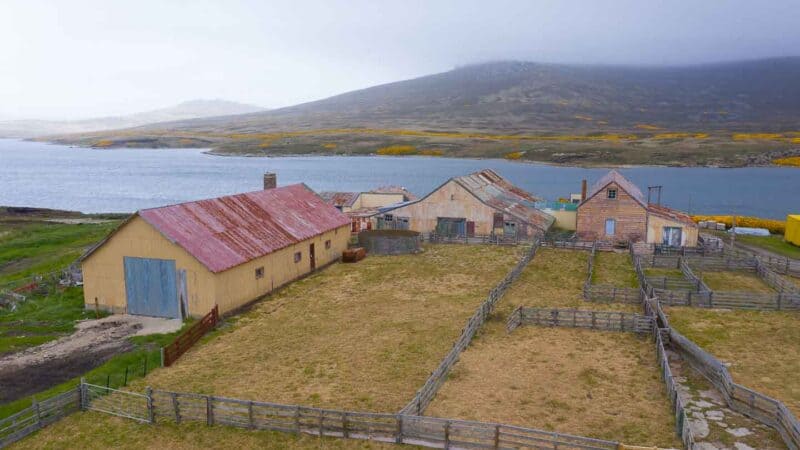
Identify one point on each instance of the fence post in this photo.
(151, 414)
(447, 435)
(345, 426)
(209, 411)
(251, 424)
(399, 438)
(176, 408)
(36, 408)
(497, 436)
(162, 356)
(125, 381)
(82, 395)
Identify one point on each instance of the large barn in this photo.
(181, 260)
(615, 209)
(481, 203)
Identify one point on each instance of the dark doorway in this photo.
(312, 257)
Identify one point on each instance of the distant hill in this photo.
(730, 114)
(186, 110)
(525, 96)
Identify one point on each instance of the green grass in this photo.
(39, 247)
(615, 269)
(773, 243)
(30, 248)
(138, 362)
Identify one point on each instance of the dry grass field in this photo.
(359, 336)
(554, 279)
(100, 431)
(614, 268)
(735, 281)
(598, 384)
(761, 347)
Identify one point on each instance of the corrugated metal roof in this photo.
(228, 231)
(616, 177)
(492, 189)
(339, 198)
(672, 214)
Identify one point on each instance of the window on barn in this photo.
(298, 256)
(328, 244)
(259, 272)
(388, 218)
(612, 193)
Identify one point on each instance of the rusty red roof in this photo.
(672, 214)
(339, 198)
(227, 231)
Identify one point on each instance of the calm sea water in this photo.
(90, 180)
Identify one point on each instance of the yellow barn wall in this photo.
(655, 225)
(104, 275)
(565, 220)
(238, 285)
(104, 272)
(451, 200)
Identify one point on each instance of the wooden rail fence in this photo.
(38, 415)
(425, 394)
(188, 338)
(577, 318)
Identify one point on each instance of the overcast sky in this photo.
(85, 58)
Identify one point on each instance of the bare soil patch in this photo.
(95, 341)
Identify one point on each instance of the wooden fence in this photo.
(494, 239)
(774, 280)
(577, 318)
(682, 427)
(425, 394)
(177, 407)
(188, 338)
(609, 293)
(37, 416)
(689, 275)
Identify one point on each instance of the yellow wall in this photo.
(655, 227)
(792, 232)
(565, 220)
(104, 275)
(239, 285)
(373, 200)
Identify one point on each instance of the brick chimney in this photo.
(270, 180)
(583, 190)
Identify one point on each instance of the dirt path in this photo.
(715, 426)
(95, 341)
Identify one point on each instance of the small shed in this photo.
(181, 260)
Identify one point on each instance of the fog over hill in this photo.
(186, 110)
(515, 96)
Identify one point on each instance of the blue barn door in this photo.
(151, 287)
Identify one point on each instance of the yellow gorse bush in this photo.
(513, 155)
(431, 152)
(790, 161)
(396, 150)
(774, 226)
(104, 143)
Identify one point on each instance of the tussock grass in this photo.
(614, 268)
(92, 430)
(359, 336)
(760, 346)
(735, 281)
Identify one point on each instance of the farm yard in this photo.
(599, 384)
(733, 280)
(755, 344)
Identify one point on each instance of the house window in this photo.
(259, 272)
(611, 227)
(328, 244)
(452, 196)
(388, 218)
(298, 256)
(612, 194)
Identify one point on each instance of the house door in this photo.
(151, 287)
(470, 228)
(510, 229)
(312, 257)
(672, 236)
(183, 297)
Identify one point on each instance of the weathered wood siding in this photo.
(104, 275)
(630, 216)
(452, 200)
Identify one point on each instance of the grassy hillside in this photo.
(731, 114)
